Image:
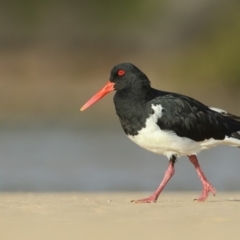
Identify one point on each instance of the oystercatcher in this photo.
(167, 123)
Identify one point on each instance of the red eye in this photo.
(121, 72)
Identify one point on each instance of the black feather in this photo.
(192, 119)
(182, 115)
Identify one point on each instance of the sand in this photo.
(111, 216)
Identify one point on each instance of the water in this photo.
(64, 158)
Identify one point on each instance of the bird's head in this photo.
(123, 76)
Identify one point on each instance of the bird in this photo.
(167, 123)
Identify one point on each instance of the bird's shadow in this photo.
(233, 200)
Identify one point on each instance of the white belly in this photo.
(166, 143)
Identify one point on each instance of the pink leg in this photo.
(207, 186)
(168, 174)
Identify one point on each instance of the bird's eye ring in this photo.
(121, 72)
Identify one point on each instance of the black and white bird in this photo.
(167, 123)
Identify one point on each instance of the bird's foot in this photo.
(207, 188)
(151, 199)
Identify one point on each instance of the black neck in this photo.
(131, 107)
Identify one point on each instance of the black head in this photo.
(126, 75)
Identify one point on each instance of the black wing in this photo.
(225, 113)
(189, 118)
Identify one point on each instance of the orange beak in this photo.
(109, 87)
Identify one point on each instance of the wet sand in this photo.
(112, 216)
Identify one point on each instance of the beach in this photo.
(111, 215)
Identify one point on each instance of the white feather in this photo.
(168, 143)
(221, 111)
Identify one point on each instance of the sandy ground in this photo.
(111, 216)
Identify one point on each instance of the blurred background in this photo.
(54, 55)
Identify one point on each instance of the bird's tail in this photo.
(235, 137)
(233, 140)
